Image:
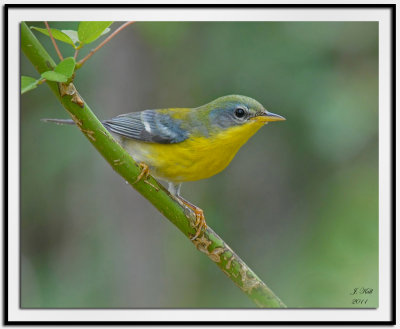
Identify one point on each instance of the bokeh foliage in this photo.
(299, 202)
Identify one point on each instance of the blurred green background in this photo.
(299, 203)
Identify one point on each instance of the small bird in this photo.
(187, 144)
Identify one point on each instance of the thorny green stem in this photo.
(183, 218)
(54, 41)
(93, 51)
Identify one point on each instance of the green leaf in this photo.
(66, 67)
(90, 31)
(72, 34)
(62, 72)
(28, 83)
(57, 34)
(54, 76)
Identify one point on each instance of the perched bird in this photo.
(187, 144)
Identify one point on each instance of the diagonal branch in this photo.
(183, 218)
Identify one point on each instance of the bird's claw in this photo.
(144, 174)
(200, 222)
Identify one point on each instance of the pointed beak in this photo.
(268, 117)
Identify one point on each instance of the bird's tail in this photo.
(59, 121)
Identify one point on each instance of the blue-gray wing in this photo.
(147, 126)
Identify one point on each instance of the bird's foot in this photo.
(200, 223)
(144, 174)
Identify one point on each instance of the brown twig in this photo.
(83, 60)
(54, 42)
(76, 53)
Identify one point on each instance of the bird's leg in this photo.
(200, 222)
(144, 174)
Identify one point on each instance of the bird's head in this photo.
(234, 110)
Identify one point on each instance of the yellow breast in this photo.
(195, 158)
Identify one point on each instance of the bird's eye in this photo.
(239, 112)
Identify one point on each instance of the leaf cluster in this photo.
(87, 33)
